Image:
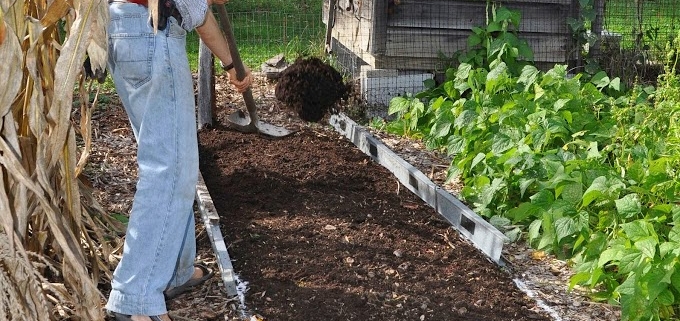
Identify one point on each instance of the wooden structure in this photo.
(415, 34)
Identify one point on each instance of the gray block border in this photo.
(481, 233)
(211, 221)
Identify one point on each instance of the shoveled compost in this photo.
(311, 88)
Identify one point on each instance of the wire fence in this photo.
(392, 46)
(636, 35)
(263, 34)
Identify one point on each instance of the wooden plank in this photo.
(502, 2)
(353, 33)
(363, 9)
(430, 64)
(464, 15)
(206, 86)
(379, 30)
(430, 43)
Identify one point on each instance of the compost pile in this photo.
(311, 87)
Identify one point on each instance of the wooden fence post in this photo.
(206, 86)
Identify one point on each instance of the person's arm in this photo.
(212, 36)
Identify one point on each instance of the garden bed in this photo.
(319, 231)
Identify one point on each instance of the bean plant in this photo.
(587, 169)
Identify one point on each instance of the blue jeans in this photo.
(152, 77)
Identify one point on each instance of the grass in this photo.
(653, 24)
(264, 29)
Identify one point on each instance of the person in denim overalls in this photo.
(152, 77)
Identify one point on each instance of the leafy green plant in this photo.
(590, 171)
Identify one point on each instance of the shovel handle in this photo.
(236, 60)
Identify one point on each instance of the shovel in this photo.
(239, 120)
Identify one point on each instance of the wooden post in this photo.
(596, 27)
(206, 86)
(379, 30)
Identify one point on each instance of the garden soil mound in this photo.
(311, 88)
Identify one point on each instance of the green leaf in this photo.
(629, 205)
(503, 14)
(596, 189)
(463, 71)
(630, 261)
(669, 247)
(524, 183)
(600, 80)
(538, 92)
(666, 297)
(464, 119)
(629, 286)
(543, 199)
(501, 143)
(675, 280)
(647, 246)
(524, 211)
(455, 145)
(535, 232)
(572, 193)
(615, 84)
(528, 76)
(564, 227)
(474, 40)
(494, 26)
(560, 103)
(440, 129)
(593, 152)
(429, 83)
(655, 285)
(609, 255)
(579, 278)
(636, 230)
(480, 157)
(547, 240)
(451, 91)
(674, 234)
(499, 221)
(398, 105)
(120, 218)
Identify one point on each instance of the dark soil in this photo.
(321, 232)
(311, 88)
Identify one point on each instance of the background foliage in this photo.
(586, 167)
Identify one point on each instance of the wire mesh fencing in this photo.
(393, 47)
(636, 35)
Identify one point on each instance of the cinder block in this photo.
(379, 86)
(369, 72)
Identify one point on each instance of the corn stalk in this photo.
(52, 253)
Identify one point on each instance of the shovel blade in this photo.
(241, 122)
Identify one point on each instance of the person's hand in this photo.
(240, 85)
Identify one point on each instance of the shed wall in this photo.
(417, 34)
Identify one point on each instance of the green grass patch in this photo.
(652, 23)
(264, 29)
